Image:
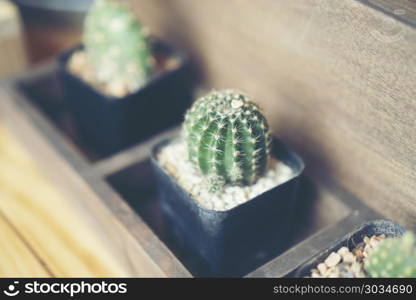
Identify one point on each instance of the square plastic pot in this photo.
(351, 240)
(108, 124)
(236, 241)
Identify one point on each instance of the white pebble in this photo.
(356, 268)
(374, 242)
(322, 268)
(333, 259)
(315, 274)
(349, 257)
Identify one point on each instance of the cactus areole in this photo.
(393, 258)
(228, 138)
(116, 45)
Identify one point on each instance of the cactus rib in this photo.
(228, 137)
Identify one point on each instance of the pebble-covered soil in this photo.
(79, 66)
(173, 158)
(345, 263)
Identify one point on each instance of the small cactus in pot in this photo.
(117, 80)
(225, 191)
(228, 138)
(393, 258)
(117, 46)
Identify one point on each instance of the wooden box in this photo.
(338, 92)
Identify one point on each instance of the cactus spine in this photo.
(116, 45)
(393, 258)
(228, 138)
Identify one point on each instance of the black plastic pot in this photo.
(236, 241)
(351, 240)
(51, 26)
(109, 124)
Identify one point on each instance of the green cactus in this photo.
(393, 258)
(228, 138)
(116, 45)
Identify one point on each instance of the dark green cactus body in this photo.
(116, 45)
(393, 258)
(228, 138)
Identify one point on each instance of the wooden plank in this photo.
(336, 79)
(317, 241)
(306, 249)
(124, 234)
(65, 237)
(16, 257)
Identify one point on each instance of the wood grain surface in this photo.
(336, 79)
(124, 233)
(51, 222)
(45, 232)
(17, 259)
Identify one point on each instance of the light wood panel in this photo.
(124, 233)
(51, 234)
(336, 79)
(16, 258)
(50, 231)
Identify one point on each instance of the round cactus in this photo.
(116, 45)
(393, 258)
(228, 138)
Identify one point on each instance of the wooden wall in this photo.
(336, 79)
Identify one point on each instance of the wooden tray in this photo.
(122, 185)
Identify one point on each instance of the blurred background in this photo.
(49, 26)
